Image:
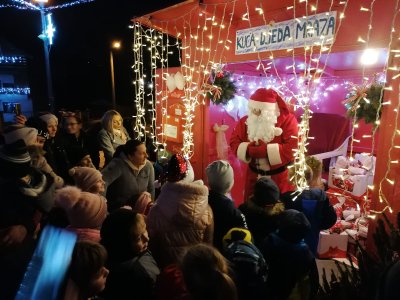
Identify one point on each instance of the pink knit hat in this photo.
(85, 177)
(84, 210)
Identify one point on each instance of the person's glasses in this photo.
(70, 124)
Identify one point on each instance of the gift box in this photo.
(354, 184)
(332, 245)
(353, 176)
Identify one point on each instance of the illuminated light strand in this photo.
(139, 77)
(392, 146)
(354, 122)
(300, 155)
(155, 43)
(30, 6)
(159, 131)
(27, 4)
(386, 178)
(19, 91)
(65, 5)
(14, 6)
(198, 50)
(12, 60)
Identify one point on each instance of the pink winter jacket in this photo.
(180, 218)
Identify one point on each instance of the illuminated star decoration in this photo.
(50, 29)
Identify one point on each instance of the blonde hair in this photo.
(205, 272)
(294, 178)
(315, 165)
(107, 119)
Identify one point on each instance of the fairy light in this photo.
(15, 91)
(24, 5)
(139, 36)
(12, 60)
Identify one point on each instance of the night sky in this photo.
(80, 54)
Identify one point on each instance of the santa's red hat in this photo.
(267, 99)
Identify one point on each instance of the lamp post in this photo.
(47, 38)
(115, 45)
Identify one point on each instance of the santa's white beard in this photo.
(261, 127)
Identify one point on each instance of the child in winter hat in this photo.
(293, 226)
(266, 192)
(85, 211)
(262, 210)
(179, 168)
(88, 179)
(47, 117)
(14, 160)
(31, 137)
(19, 132)
(220, 176)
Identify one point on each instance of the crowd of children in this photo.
(188, 241)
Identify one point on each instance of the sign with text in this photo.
(306, 31)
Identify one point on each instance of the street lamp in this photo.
(115, 45)
(47, 37)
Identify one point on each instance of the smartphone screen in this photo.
(17, 109)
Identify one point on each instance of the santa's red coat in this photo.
(279, 152)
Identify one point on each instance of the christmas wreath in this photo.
(364, 101)
(221, 89)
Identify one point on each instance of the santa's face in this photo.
(261, 125)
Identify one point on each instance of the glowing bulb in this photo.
(369, 57)
(116, 45)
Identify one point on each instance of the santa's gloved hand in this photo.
(257, 150)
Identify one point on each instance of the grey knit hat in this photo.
(220, 176)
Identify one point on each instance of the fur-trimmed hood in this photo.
(249, 207)
(187, 201)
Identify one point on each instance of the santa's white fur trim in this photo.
(262, 105)
(241, 152)
(274, 155)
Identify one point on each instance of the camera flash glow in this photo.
(369, 57)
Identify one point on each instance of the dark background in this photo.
(79, 56)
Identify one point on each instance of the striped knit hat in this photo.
(14, 160)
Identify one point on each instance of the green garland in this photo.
(225, 88)
(367, 110)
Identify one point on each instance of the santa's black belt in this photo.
(268, 172)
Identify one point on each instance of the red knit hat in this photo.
(267, 99)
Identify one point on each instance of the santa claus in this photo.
(265, 140)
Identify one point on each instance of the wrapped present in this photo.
(366, 161)
(351, 214)
(354, 184)
(332, 245)
(341, 226)
(343, 200)
(353, 176)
